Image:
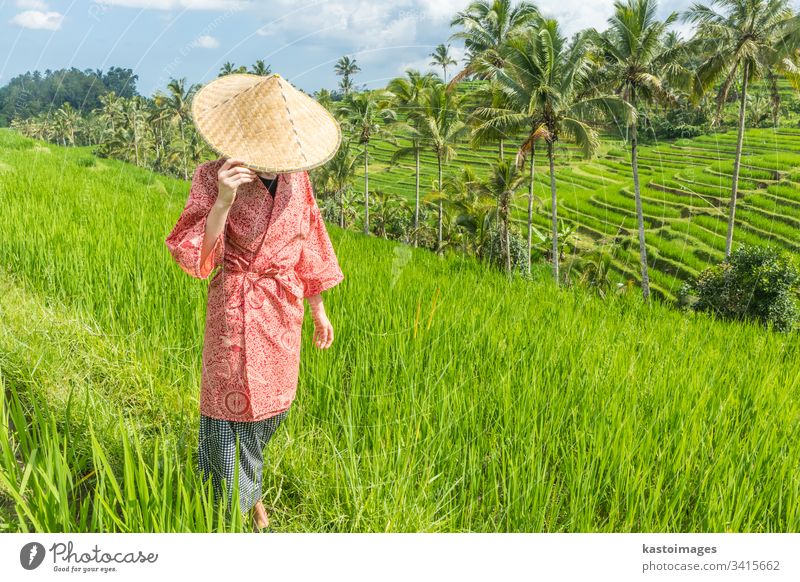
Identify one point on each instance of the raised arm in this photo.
(196, 241)
(229, 177)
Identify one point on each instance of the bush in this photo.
(758, 283)
(397, 227)
(678, 122)
(793, 105)
(492, 251)
(329, 208)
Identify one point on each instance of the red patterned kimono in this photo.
(272, 255)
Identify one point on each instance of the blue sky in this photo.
(300, 39)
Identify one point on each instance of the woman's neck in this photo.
(267, 176)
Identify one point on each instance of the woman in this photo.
(265, 232)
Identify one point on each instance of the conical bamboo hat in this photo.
(265, 122)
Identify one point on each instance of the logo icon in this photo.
(31, 555)
(236, 402)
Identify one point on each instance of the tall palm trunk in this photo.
(162, 150)
(416, 202)
(135, 139)
(506, 247)
(502, 149)
(439, 235)
(530, 211)
(737, 162)
(341, 207)
(637, 195)
(775, 98)
(554, 209)
(183, 141)
(366, 189)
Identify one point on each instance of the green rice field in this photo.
(452, 399)
(686, 187)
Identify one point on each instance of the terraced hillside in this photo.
(686, 189)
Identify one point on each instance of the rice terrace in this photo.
(488, 374)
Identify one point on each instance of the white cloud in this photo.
(423, 65)
(206, 41)
(325, 20)
(179, 4)
(575, 15)
(442, 11)
(369, 24)
(31, 5)
(38, 19)
(399, 32)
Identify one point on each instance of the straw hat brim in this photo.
(265, 122)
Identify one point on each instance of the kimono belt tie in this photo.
(254, 290)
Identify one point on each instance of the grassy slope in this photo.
(686, 187)
(451, 400)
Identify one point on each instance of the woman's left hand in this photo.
(323, 330)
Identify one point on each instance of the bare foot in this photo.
(260, 514)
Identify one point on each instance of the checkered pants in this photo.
(217, 455)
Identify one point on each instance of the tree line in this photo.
(33, 93)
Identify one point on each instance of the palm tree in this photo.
(67, 119)
(406, 92)
(474, 208)
(111, 109)
(511, 112)
(637, 62)
(37, 127)
(346, 67)
(346, 85)
(124, 141)
(482, 102)
(550, 81)
(747, 36)
(158, 119)
(228, 68)
(365, 114)
(324, 98)
(338, 174)
(487, 24)
(759, 109)
(441, 58)
(441, 126)
(503, 182)
(93, 128)
(196, 145)
(134, 111)
(388, 207)
(259, 68)
(177, 104)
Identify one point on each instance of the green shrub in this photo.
(756, 282)
(679, 122)
(492, 251)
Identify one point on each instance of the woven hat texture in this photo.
(265, 122)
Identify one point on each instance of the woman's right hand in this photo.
(231, 175)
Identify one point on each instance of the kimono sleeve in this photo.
(318, 267)
(185, 242)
